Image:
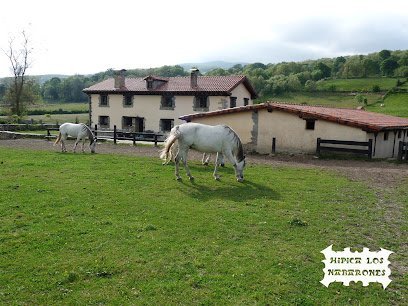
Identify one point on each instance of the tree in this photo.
(19, 60)
(384, 54)
(388, 66)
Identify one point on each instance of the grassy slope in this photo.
(395, 104)
(103, 229)
(359, 85)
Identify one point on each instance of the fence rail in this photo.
(345, 146)
(403, 151)
(116, 135)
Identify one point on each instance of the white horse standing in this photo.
(208, 139)
(80, 131)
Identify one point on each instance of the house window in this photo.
(233, 102)
(310, 124)
(149, 84)
(103, 100)
(166, 125)
(168, 102)
(103, 121)
(127, 100)
(127, 123)
(246, 101)
(201, 103)
(385, 136)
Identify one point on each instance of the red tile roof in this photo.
(369, 121)
(180, 85)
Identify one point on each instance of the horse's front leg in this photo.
(217, 162)
(206, 159)
(83, 143)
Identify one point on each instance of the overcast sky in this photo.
(83, 37)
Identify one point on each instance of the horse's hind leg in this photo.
(176, 171)
(83, 143)
(63, 147)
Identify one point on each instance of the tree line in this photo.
(268, 79)
(276, 79)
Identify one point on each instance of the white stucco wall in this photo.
(386, 148)
(292, 136)
(148, 107)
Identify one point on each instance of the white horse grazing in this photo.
(208, 139)
(80, 131)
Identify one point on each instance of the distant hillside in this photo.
(207, 66)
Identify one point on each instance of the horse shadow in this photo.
(227, 190)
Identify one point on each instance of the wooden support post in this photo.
(96, 130)
(114, 134)
(400, 147)
(134, 138)
(370, 149)
(155, 140)
(318, 147)
(273, 145)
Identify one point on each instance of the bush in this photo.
(376, 88)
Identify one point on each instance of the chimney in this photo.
(194, 76)
(119, 77)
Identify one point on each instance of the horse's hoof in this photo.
(222, 165)
(191, 178)
(178, 178)
(217, 178)
(205, 164)
(240, 179)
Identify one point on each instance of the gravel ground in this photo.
(382, 174)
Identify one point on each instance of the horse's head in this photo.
(239, 166)
(93, 145)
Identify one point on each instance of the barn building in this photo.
(296, 128)
(156, 103)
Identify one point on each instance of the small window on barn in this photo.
(103, 100)
(310, 124)
(246, 101)
(385, 136)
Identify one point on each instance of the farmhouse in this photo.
(155, 103)
(279, 127)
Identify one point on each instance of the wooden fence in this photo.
(116, 135)
(403, 151)
(345, 146)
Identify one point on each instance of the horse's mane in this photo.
(238, 143)
(90, 134)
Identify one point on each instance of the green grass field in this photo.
(118, 230)
(324, 99)
(395, 105)
(359, 85)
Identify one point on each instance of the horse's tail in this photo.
(174, 135)
(58, 139)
